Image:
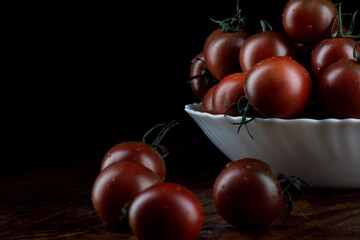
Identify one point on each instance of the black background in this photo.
(82, 77)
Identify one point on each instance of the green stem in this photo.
(156, 143)
(339, 33)
(265, 26)
(356, 56)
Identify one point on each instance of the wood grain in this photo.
(56, 203)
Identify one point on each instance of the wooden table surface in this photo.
(55, 203)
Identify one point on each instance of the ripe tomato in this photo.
(139, 152)
(308, 21)
(166, 211)
(221, 51)
(207, 105)
(201, 84)
(247, 193)
(263, 45)
(227, 93)
(278, 87)
(116, 186)
(328, 52)
(339, 89)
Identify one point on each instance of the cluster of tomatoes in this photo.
(312, 64)
(131, 191)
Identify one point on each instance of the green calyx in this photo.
(291, 182)
(233, 24)
(205, 74)
(348, 34)
(246, 112)
(156, 143)
(265, 26)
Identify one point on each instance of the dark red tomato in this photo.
(200, 85)
(330, 51)
(309, 21)
(263, 45)
(339, 89)
(221, 51)
(207, 105)
(227, 93)
(139, 152)
(116, 186)
(278, 87)
(247, 193)
(166, 211)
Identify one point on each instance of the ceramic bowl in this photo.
(324, 153)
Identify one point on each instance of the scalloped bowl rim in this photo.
(325, 153)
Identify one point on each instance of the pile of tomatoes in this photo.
(278, 74)
(131, 191)
(312, 64)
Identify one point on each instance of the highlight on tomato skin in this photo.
(278, 87)
(247, 194)
(227, 94)
(136, 151)
(263, 45)
(221, 52)
(116, 186)
(166, 211)
(339, 89)
(309, 21)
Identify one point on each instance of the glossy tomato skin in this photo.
(339, 89)
(166, 211)
(199, 86)
(330, 51)
(139, 152)
(247, 194)
(263, 45)
(116, 186)
(221, 51)
(278, 87)
(207, 103)
(228, 92)
(309, 21)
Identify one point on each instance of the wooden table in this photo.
(55, 203)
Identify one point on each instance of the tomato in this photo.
(116, 186)
(278, 87)
(221, 51)
(247, 193)
(263, 45)
(308, 21)
(201, 84)
(339, 89)
(139, 152)
(207, 105)
(227, 93)
(166, 211)
(328, 52)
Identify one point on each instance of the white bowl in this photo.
(324, 153)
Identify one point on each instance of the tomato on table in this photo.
(166, 211)
(247, 194)
(116, 186)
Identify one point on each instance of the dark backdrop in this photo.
(82, 77)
